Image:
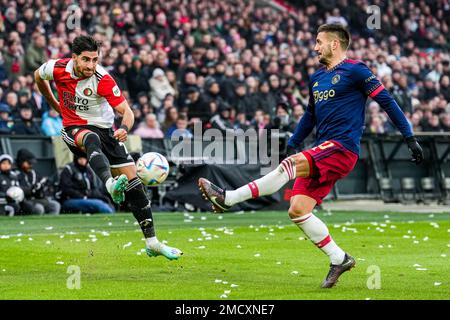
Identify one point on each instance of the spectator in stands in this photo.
(376, 125)
(34, 185)
(51, 123)
(80, 191)
(241, 122)
(444, 87)
(221, 120)
(36, 53)
(181, 128)
(12, 101)
(433, 124)
(445, 122)
(196, 107)
(14, 59)
(242, 102)
(26, 125)
(5, 127)
(8, 179)
(149, 128)
(160, 88)
(281, 120)
(170, 121)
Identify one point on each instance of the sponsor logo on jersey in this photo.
(335, 79)
(116, 91)
(87, 92)
(323, 95)
(75, 103)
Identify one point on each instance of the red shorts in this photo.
(328, 162)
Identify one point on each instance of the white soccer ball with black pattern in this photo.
(152, 168)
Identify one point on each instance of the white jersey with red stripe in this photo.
(83, 101)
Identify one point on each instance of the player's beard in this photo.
(325, 57)
(84, 73)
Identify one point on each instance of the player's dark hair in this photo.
(85, 43)
(340, 31)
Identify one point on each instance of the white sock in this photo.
(151, 241)
(108, 184)
(318, 233)
(270, 183)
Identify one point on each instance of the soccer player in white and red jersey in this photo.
(87, 95)
(338, 92)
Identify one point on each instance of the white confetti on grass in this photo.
(48, 242)
(227, 292)
(201, 247)
(49, 228)
(225, 282)
(223, 296)
(22, 222)
(421, 269)
(234, 285)
(127, 245)
(443, 255)
(294, 272)
(437, 283)
(416, 265)
(257, 255)
(217, 281)
(425, 239)
(60, 262)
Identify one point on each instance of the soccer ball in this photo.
(152, 168)
(15, 193)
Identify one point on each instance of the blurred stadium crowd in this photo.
(229, 64)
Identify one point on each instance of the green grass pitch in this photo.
(231, 256)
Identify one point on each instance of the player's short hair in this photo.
(85, 43)
(340, 31)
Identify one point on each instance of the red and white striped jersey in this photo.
(83, 100)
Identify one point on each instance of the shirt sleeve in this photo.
(46, 70)
(109, 89)
(305, 125)
(373, 88)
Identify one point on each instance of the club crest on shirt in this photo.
(335, 79)
(87, 91)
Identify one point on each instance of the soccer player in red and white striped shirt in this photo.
(87, 95)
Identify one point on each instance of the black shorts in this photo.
(115, 151)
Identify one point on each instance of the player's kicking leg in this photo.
(91, 143)
(222, 200)
(140, 205)
(300, 166)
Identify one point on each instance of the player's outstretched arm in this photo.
(127, 121)
(375, 89)
(46, 91)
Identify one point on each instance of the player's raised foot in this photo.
(336, 271)
(213, 194)
(160, 249)
(117, 188)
